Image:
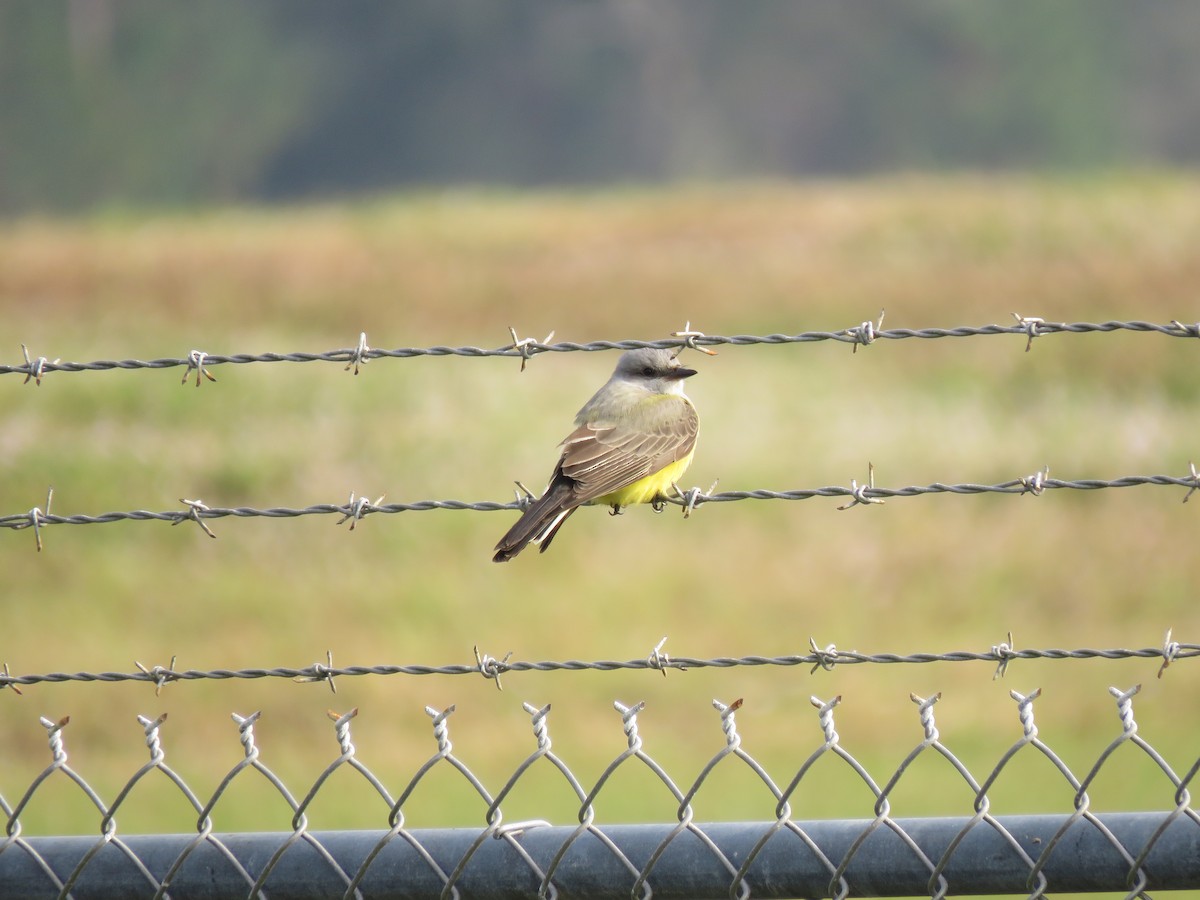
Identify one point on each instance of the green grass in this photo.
(928, 574)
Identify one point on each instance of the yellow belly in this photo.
(646, 489)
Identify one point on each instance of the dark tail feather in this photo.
(538, 522)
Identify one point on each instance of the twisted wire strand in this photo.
(689, 500)
(827, 659)
(527, 348)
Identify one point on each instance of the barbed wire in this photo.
(359, 507)
(35, 368)
(825, 658)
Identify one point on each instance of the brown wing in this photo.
(602, 458)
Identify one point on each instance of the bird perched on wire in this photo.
(633, 440)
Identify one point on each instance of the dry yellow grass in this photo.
(926, 574)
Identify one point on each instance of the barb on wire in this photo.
(1192, 330)
(526, 348)
(689, 339)
(6, 680)
(661, 660)
(36, 368)
(195, 362)
(490, 667)
(197, 509)
(1004, 653)
(1194, 481)
(1170, 651)
(1032, 326)
(690, 500)
(859, 495)
(357, 508)
(317, 673)
(524, 497)
(1036, 483)
(33, 519)
(865, 333)
(159, 675)
(826, 659)
(360, 355)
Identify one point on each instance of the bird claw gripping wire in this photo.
(36, 368)
(689, 339)
(195, 362)
(866, 332)
(360, 355)
(526, 346)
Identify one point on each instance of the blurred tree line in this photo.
(108, 102)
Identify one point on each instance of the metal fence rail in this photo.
(885, 866)
(779, 856)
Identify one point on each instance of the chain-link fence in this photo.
(871, 853)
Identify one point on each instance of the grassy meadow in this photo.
(928, 574)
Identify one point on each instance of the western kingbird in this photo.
(632, 441)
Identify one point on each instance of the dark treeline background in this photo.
(114, 102)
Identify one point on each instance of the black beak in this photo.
(681, 373)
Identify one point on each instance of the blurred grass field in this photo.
(933, 574)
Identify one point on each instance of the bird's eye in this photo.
(648, 371)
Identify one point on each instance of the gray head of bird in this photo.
(656, 370)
